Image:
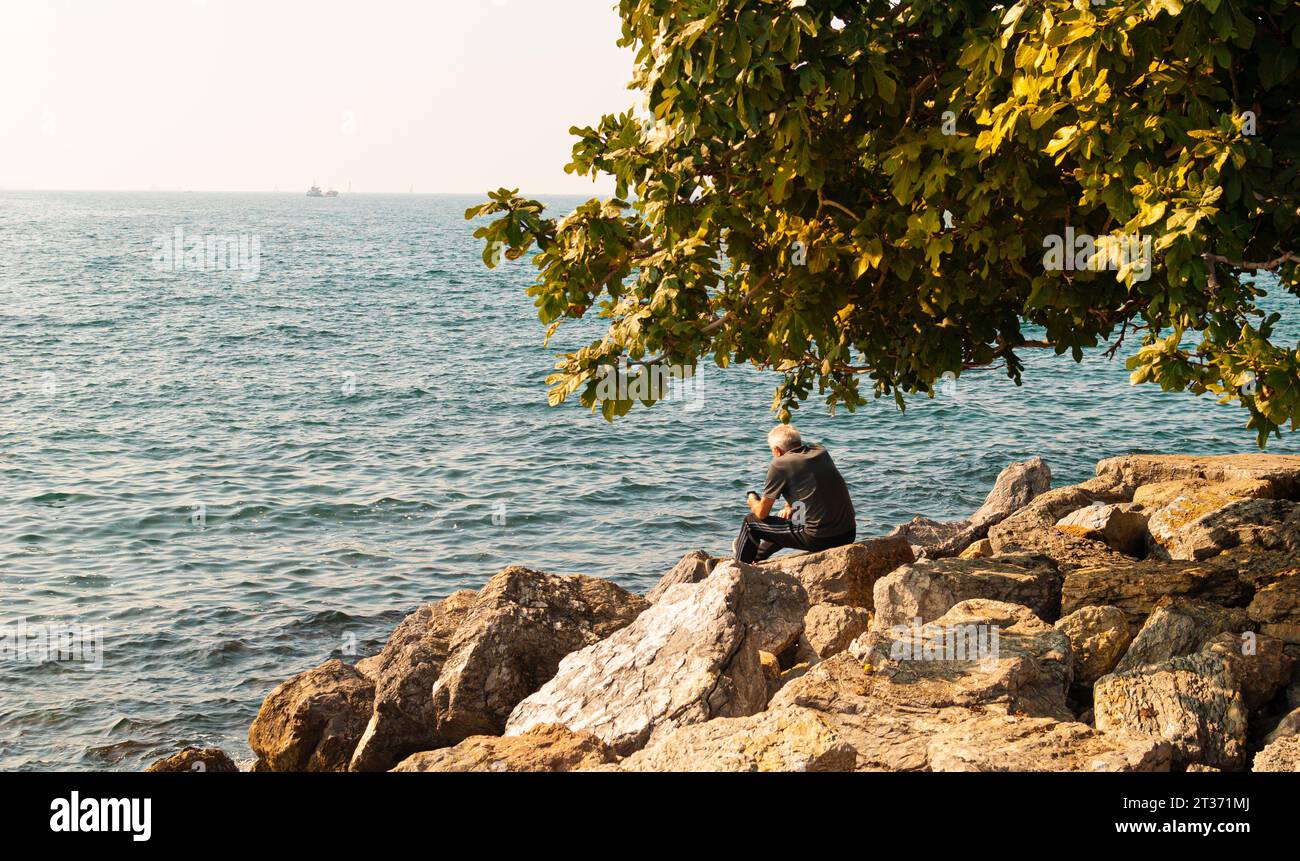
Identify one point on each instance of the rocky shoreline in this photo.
(1145, 620)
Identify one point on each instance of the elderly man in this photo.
(818, 513)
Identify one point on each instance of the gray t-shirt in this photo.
(808, 475)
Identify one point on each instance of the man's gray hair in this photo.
(784, 437)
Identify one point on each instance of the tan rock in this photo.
(1137, 586)
(1192, 702)
(771, 669)
(829, 628)
(930, 588)
(1259, 664)
(788, 739)
(1099, 635)
(692, 568)
(898, 735)
(845, 575)
(1204, 525)
(1156, 496)
(1121, 526)
(312, 721)
(1281, 755)
(511, 642)
(1276, 607)
(544, 748)
(195, 759)
(402, 720)
(981, 549)
(687, 659)
(1289, 725)
(997, 742)
(980, 652)
(1032, 529)
(1133, 471)
(1179, 626)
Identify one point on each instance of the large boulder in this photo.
(998, 742)
(845, 575)
(1197, 527)
(935, 539)
(511, 642)
(1156, 496)
(1099, 635)
(1032, 529)
(1179, 626)
(1192, 702)
(195, 759)
(1121, 526)
(829, 628)
(1282, 472)
(1259, 663)
(543, 748)
(1276, 607)
(788, 739)
(1016, 486)
(1137, 586)
(688, 659)
(402, 720)
(692, 568)
(978, 653)
(1280, 755)
(312, 721)
(904, 735)
(928, 589)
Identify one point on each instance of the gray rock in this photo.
(688, 659)
(1098, 638)
(511, 642)
(930, 588)
(1179, 626)
(1192, 702)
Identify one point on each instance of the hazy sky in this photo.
(247, 95)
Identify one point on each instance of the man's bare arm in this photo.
(760, 506)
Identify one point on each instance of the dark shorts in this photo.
(759, 539)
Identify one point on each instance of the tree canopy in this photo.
(867, 195)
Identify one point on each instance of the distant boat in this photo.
(314, 191)
(331, 193)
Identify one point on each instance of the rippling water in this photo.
(235, 480)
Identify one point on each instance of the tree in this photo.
(868, 196)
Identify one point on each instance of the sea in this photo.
(219, 469)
